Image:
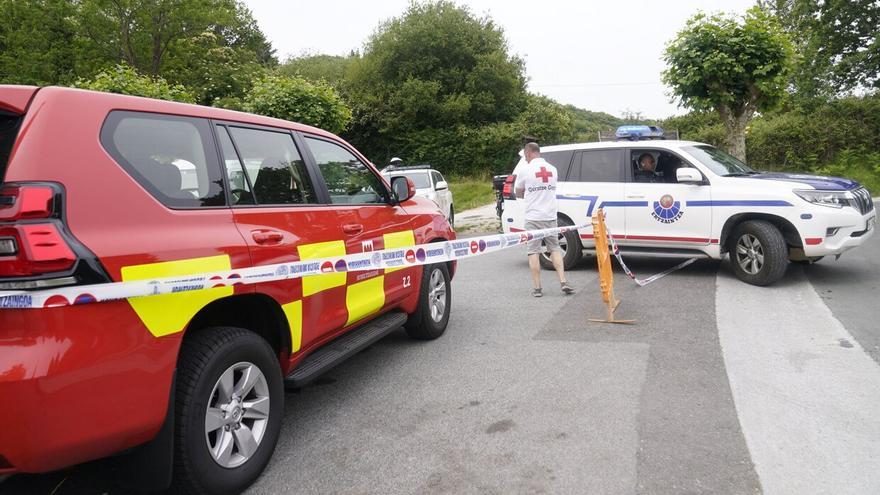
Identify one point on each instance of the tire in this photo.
(570, 257)
(207, 357)
(429, 320)
(758, 253)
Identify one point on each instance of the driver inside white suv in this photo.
(646, 169)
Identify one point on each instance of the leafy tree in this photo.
(587, 124)
(213, 47)
(127, 81)
(734, 66)
(215, 70)
(37, 42)
(299, 100)
(143, 33)
(430, 74)
(329, 68)
(837, 41)
(223, 61)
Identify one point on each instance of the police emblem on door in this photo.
(667, 210)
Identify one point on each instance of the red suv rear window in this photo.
(172, 157)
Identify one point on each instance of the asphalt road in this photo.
(718, 387)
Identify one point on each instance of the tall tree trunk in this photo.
(735, 123)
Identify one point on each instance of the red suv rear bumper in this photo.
(79, 383)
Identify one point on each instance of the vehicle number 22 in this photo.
(407, 281)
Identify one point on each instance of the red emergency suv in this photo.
(99, 188)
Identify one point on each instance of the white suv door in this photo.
(443, 195)
(596, 178)
(660, 212)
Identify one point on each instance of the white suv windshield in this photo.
(719, 162)
(420, 179)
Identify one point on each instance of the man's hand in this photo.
(520, 192)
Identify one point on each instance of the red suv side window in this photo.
(348, 180)
(173, 158)
(270, 166)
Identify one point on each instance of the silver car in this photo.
(429, 184)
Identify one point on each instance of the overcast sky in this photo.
(599, 55)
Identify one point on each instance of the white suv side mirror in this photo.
(688, 176)
(441, 185)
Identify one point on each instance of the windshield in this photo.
(420, 179)
(719, 162)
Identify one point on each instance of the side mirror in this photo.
(441, 185)
(403, 188)
(688, 176)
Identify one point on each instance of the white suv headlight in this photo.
(834, 199)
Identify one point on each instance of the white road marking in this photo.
(807, 395)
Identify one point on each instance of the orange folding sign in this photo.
(606, 276)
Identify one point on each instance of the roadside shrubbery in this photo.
(294, 98)
(126, 80)
(839, 137)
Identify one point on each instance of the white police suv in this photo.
(700, 201)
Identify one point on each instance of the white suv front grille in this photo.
(863, 201)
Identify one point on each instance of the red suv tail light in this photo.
(26, 202)
(33, 249)
(507, 191)
(36, 250)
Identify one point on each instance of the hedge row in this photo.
(841, 137)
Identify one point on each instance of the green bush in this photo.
(839, 137)
(298, 100)
(125, 80)
(861, 165)
(802, 140)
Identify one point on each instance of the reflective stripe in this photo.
(365, 298)
(166, 314)
(294, 313)
(398, 240)
(317, 283)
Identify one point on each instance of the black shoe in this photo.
(566, 289)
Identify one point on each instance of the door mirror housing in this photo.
(688, 176)
(441, 185)
(403, 188)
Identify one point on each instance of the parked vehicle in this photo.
(97, 188)
(429, 183)
(700, 201)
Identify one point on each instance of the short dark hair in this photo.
(532, 148)
(643, 156)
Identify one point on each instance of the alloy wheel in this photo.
(237, 415)
(750, 254)
(437, 295)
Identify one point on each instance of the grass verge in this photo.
(471, 192)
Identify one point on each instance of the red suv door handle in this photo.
(267, 236)
(353, 228)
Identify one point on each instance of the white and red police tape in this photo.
(641, 282)
(422, 254)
